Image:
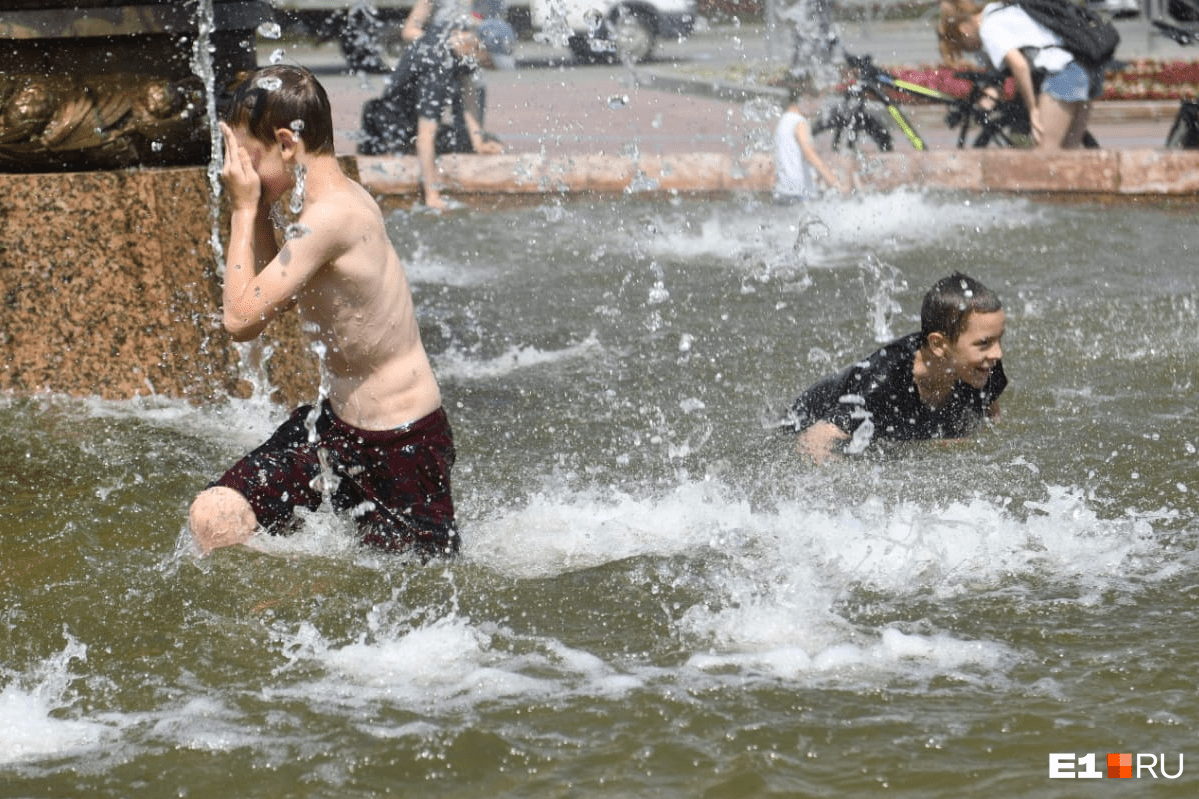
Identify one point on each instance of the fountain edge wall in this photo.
(110, 288)
(1109, 174)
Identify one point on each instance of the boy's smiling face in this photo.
(972, 356)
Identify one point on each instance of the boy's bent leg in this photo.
(221, 517)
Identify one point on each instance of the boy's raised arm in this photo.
(261, 280)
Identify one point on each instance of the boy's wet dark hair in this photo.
(284, 96)
(949, 303)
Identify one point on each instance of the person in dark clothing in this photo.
(430, 105)
(941, 382)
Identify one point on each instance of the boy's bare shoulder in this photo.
(343, 208)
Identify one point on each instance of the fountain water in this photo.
(655, 596)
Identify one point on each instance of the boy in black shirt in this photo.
(938, 383)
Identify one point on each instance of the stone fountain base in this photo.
(108, 287)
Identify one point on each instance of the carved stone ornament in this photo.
(95, 84)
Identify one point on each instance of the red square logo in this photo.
(1119, 765)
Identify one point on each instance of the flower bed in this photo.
(1139, 79)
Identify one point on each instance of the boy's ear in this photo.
(937, 343)
(287, 140)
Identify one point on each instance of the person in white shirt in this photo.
(796, 162)
(1011, 38)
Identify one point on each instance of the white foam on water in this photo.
(423, 266)
(36, 719)
(850, 227)
(241, 422)
(773, 605)
(886, 654)
(454, 364)
(445, 667)
(554, 534)
(206, 724)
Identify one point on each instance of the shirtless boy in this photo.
(382, 432)
(938, 383)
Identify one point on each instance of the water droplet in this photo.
(270, 30)
(296, 205)
(618, 101)
(278, 55)
(269, 84)
(295, 231)
(297, 125)
(658, 294)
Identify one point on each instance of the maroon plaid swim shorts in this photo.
(394, 483)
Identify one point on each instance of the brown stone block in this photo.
(561, 175)
(603, 173)
(755, 173)
(1159, 172)
(503, 174)
(958, 170)
(389, 174)
(1062, 171)
(687, 173)
(110, 288)
(886, 171)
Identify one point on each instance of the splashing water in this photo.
(202, 65)
(296, 204)
(655, 595)
(33, 724)
(814, 37)
(882, 283)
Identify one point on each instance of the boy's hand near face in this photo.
(238, 176)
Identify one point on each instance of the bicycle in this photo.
(859, 110)
(1184, 131)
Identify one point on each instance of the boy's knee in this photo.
(220, 517)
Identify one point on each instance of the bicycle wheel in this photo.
(870, 120)
(879, 134)
(852, 122)
(1006, 125)
(1184, 132)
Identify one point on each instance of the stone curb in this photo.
(1112, 173)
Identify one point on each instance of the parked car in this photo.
(1116, 9)
(625, 30)
(367, 30)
